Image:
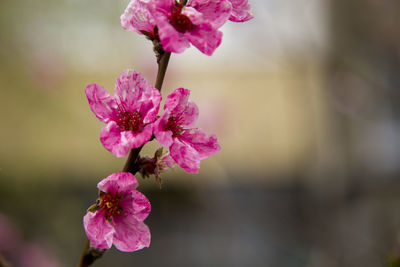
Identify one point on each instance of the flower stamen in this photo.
(180, 22)
(174, 126)
(129, 121)
(110, 205)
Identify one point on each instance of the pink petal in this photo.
(137, 17)
(177, 100)
(164, 137)
(99, 231)
(163, 6)
(130, 234)
(190, 114)
(150, 104)
(194, 16)
(205, 146)
(125, 181)
(168, 160)
(171, 40)
(205, 38)
(240, 11)
(216, 12)
(101, 103)
(110, 137)
(130, 87)
(136, 94)
(135, 140)
(185, 156)
(139, 206)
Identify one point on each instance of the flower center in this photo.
(173, 126)
(180, 22)
(129, 121)
(110, 205)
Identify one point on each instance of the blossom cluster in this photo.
(177, 25)
(132, 116)
(131, 120)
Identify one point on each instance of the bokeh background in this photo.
(304, 99)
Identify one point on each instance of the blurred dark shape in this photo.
(394, 260)
(14, 251)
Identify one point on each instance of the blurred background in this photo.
(304, 99)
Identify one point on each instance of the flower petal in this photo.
(190, 114)
(110, 137)
(177, 100)
(130, 234)
(135, 140)
(124, 181)
(185, 156)
(240, 11)
(171, 40)
(216, 12)
(150, 104)
(163, 136)
(168, 160)
(205, 38)
(138, 206)
(101, 103)
(205, 146)
(161, 6)
(137, 17)
(131, 88)
(99, 231)
(194, 15)
(177, 103)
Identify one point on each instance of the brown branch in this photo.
(162, 69)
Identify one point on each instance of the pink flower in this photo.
(177, 26)
(128, 114)
(138, 18)
(240, 11)
(118, 216)
(187, 145)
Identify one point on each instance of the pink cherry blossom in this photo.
(240, 11)
(178, 26)
(118, 216)
(174, 130)
(128, 114)
(137, 17)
